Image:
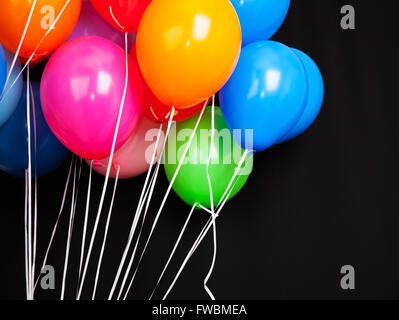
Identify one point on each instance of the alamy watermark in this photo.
(225, 147)
(348, 19)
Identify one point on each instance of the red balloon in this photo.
(127, 13)
(159, 112)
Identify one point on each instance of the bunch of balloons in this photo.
(101, 88)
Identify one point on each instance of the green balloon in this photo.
(191, 183)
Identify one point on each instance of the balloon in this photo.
(191, 183)
(156, 111)
(134, 157)
(82, 88)
(90, 23)
(267, 93)
(180, 43)
(315, 97)
(14, 141)
(13, 18)
(127, 13)
(3, 69)
(260, 19)
(11, 97)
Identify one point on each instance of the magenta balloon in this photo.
(81, 92)
(134, 157)
(90, 23)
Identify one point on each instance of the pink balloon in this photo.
(134, 157)
(81, 92)
(90, 23)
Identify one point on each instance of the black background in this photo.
(312, 205)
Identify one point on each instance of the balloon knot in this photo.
(97, 163)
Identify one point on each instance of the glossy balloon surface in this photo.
(11, 97)
(50, 153)
(260, 19)
(82, 89)
(124, 15)
(315, 96)
(90, 23)
(3, 68)
(187, 50)
(191, 184)
(15, 13)
(156, 111)
(266, 95)
(134, 157)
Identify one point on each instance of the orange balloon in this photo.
(14, 15)
(188, 49)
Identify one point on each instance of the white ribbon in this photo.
(174, 249)
(58, 219)
(37, 47)
(209, 224)
(82, 248)
(166, 195)
(69, 238)
(171, 114)
(108, 171)
(18, 48)
(105, 235)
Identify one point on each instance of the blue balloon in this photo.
(267, 94)
(11, 97)
(260, 19)
(14, 141)
(315, 97)
(3, 69)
